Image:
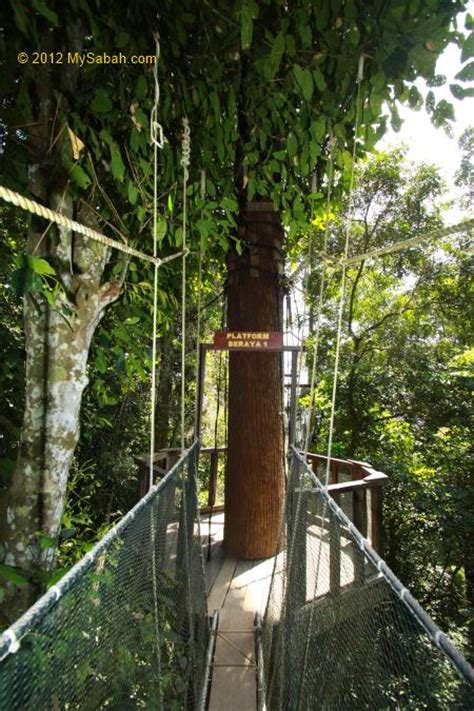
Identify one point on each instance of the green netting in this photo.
(127, 627)
(340, 631)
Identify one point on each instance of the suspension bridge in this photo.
(143, 620)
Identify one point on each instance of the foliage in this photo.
(406, 377)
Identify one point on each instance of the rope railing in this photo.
(35, 208)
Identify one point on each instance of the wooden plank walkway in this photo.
(237, 589)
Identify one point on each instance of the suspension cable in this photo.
(321, 296)
(156, 135)
(348, 225)
(199, 302)
(185, 159)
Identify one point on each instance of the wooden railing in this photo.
(362, 488)
(164, 460)
(355, 485)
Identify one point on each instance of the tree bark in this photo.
(57, 341)
(254, 485)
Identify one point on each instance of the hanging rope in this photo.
(156, 135)
(464, 226)
(322, 287)
(199, 304)
(360, 76)
(186, 154)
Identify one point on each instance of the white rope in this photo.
(464, 226)
(185, 159)
(156, 145)
(36, 208)
(320, 299)
(199, 300)
(155, 130)
(360, 75)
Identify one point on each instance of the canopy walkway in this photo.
(129, 626)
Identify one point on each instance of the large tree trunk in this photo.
(255, 462)
(57, 340)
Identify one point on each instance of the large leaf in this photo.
(40, 266)
(304, 81)
(44, 10)
(468, 48)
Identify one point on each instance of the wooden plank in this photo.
(213, 566)
(235, 619)
(259, 588)
(235, 649)
(221, 585)
(233, 689)
(241, 578)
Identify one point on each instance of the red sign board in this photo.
(248, 341)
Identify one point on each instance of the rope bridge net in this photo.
(127, 627)
(340, 631)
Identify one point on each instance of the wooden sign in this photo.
(248, 341)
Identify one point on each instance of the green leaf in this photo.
(46, 541)
(466, 73)
(100, 362)
(291, 145)
(161, 228)
(57, 575)
(304, 81)
(22, 18)
(319, 80)
(101, 103)
(276, 55)
(461, 92)
(247, 15)
(305, 34)
(40, 266)
(44, 10)
(141, 87)
(79, 176)
(170, 203)
(132, 193)
(178, 237)
(415, 99)
(468, 48)
(430, 102)
(14, 575)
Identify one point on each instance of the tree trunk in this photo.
(57, 341)
(164, 393)
(254, 485)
